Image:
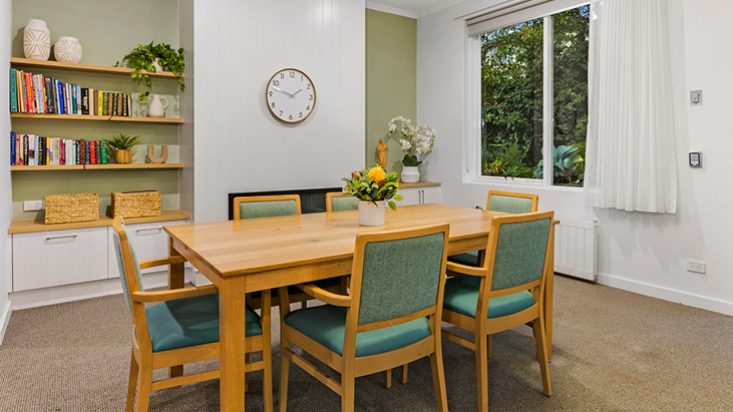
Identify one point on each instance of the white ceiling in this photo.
(409, 8)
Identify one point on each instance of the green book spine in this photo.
(105, 101)
(104, 154)
(13, 91)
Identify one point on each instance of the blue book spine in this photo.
(62, 102)
(12, 148)
(13, 91)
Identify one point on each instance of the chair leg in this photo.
(131, 384)
(436, 364)
(284, 371)
(347, 386)
(404, 373)
(144, 385)
(482, 371)
(388, 378)
(490, 349)
(267, 352)
(542, 358)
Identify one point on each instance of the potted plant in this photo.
(414, 141)
(375, 190)
(153, 57)
(124, 146)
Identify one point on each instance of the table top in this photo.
(234, 248)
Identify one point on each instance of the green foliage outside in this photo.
(512, 101)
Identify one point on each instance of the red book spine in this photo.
(92, 151)
(29, 92)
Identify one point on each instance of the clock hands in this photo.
(299, 90)
(282, 91)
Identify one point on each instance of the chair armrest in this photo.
(465, 269)
(326, 296)
(161, 262)
(164, 295)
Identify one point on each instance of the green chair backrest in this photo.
(400, 277)
(341, 203)
(121, 266)
(268, 208)
(520, 252)
(510, 204)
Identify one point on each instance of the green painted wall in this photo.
(391, 58)
(107, 30)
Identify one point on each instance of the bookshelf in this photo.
(41, 116)
(37, 225)
(110, 166)
(87, 68)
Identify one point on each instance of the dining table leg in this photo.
(231, 344)
(176, 280)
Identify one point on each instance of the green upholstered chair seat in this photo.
(327, 324)
(461, 295)
(190, 321)
(470, 258)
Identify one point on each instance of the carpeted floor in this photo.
(614, 351)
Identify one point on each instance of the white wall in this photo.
(5, 191)
(238, 144)
(639, 252)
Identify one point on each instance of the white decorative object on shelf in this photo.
(410, 174)
(157, 106)
(36, 40)
(67, 49)
(371, 213)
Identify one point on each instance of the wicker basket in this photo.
(136, 204)
(72, 208)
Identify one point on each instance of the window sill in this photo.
(519, 183)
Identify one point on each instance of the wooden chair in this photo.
(255, 207)
(339, 201)
(391, 315)
(180, 326)
(505, 292)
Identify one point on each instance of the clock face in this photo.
(291, 96)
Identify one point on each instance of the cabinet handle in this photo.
(149, 229)
(422, 196)
(74, 236)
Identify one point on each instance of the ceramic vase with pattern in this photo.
(67, 49)
(36, 40)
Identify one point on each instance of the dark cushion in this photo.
(327, 324)
(191, 321)
(461, 295)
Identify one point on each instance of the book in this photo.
(78, 98)
(13, 91)
(12, 148)
(18, 90)
(48, 92)
(100, 106)
(84, 101)
(30, 107)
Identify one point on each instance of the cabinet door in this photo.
(431, 195)
(59, 258)
(149, 241)
(411, 197)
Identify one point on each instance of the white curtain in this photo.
(630, 158)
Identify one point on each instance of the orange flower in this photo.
(377, 174)
(355, 174)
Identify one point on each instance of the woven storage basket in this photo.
(72, 208)
(136, 204)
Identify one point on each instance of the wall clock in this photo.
(290, 95)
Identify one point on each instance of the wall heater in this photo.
(576, 248)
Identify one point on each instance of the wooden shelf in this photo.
(133, 166)
(159, 120)
(418, 185)
(35, 226)
(89, 68)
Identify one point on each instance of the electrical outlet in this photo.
(695, 266)
(695, 97)
(32, 205)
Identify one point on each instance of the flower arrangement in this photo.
(414, 140)
(374, 185)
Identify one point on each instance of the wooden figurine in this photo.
(382, 153)
(151, 158)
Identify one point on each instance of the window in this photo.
(534, 98)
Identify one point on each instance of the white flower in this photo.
(415, 139)
(405, 144)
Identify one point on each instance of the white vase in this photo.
(157, 105)
(67, 49)
(36, 40)
(410, 174)
(371, 214)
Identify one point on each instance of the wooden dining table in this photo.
(245, 256)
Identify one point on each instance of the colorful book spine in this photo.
(13, 91)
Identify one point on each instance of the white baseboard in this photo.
(668, 294)
(5, 319)
(81, 291)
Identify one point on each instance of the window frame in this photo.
(472, 145)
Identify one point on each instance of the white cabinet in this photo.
(149, 241)
(55, 258)
(420, 195)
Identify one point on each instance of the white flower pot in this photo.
(371, 214)
(67, 49)
(410, 174)
(36, 40)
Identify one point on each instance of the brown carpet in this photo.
(614, 351)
